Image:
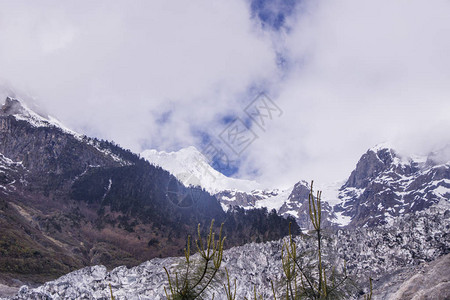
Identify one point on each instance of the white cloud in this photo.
(144, 73)
(366, 72)
(110, 68)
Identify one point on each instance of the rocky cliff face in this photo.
(385, 185)
(297, 205)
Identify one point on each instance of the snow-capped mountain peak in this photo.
(20, 111)
(385, 184)
(191, 167)
(381, 146)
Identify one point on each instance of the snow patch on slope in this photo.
(9, 174)
(275, 202)
(342, 220)
(330, 192)
(6, 162)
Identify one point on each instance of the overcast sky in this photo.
(168, 74)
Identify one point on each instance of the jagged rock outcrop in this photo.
(385, 185)
(297, 205)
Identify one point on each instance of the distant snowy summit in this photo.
(191, 167)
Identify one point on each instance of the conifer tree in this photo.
(301, 281)
(199, 272)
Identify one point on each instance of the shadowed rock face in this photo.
(247, 200)
(369, 166)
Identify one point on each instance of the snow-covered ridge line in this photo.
(20, 111)
(107, 152)
(24, 113)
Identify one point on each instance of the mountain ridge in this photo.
(380, 170)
